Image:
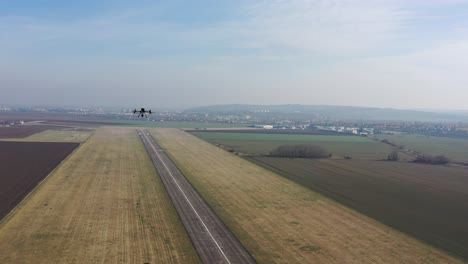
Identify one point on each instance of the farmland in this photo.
(16, 179)
(173, 124)
(251, 130)
(105, 204)
(55, 135)
(144, 123)
(339, 146)
(428, 202)
(279, 221)
(455, 149)
(22, 131)
(58, 136)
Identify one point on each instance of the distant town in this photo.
(256, 118)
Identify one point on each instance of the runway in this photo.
(212, 239)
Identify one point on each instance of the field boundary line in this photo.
(15, 209)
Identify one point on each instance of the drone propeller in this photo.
(142, 112)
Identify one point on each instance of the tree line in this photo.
(300, 151)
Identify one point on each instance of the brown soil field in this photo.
(23, 165)
(104, 204)
(279, 221)
(425, 201)
(22, 131)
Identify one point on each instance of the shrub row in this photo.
(300, 151)
(440, 159)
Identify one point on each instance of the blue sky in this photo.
(401, 54)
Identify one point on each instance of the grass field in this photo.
(339, 146)
(455, 149)
(279, 221)
(105, 204)
(428, 202)
(55, 136)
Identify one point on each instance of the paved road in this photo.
(211, 238)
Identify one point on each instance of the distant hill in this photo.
(332, 112)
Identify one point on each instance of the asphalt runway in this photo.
(212, 239)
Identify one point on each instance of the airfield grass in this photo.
(105, 204)
(338, 146)
(279, 221)
(455, 149)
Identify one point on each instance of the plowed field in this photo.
(105, 204)
(279, 221)
(23, 165)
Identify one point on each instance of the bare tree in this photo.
(439, 159)
(393, 156)
(299, 151)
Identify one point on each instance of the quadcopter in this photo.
(142, 112)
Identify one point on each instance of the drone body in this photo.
(142, 112)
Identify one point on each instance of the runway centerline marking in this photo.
(186, 198)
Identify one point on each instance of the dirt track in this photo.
(212, 239)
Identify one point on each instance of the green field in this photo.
(455, 149)
(339, 146)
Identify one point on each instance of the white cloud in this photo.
(330, 27)
(311, 52)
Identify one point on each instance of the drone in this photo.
(142, 112)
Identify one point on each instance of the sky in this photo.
(179, 54)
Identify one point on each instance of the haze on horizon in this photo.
(398, 54)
